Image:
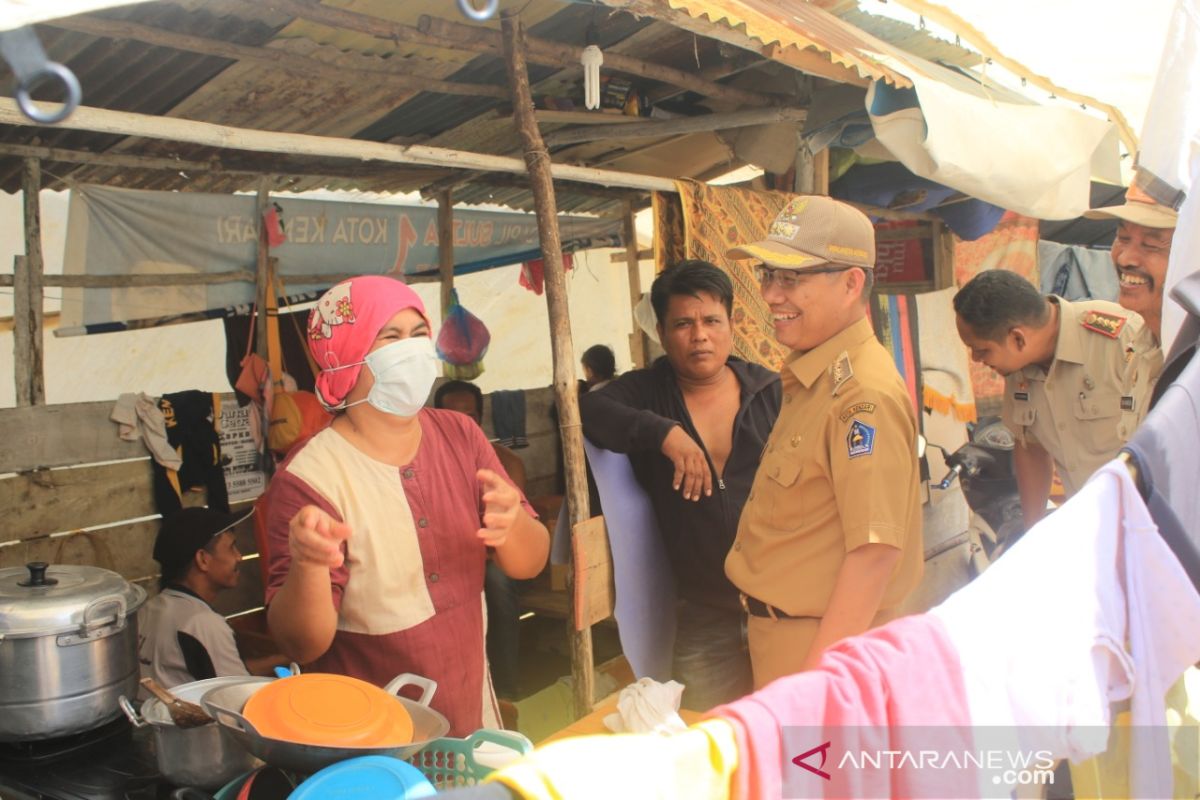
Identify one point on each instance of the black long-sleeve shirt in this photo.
(633, 415)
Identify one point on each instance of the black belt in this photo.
(757, 608)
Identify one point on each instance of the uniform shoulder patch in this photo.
(857, 408)
(1109, 325)
(860, 439)
(840, 371)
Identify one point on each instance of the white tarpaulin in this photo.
(1036, 160)
(134, 232)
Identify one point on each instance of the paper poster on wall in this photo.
(244, 479)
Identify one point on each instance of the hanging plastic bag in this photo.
(462, 342)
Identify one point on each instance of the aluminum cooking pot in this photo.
(68, 648)
(206, 757)
(226, 703)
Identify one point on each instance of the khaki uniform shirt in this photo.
(1097, 390)
(839, 471)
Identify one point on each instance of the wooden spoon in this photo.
(183, 713)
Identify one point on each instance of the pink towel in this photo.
(898, 688)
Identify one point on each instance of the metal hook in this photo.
(24, 53)
(467, 7)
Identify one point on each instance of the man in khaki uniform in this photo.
(1078, 377)
(829, 542)
(1140, 253)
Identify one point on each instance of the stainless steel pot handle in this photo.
(92, 617)
(230, 718)
(428, 687)
(127, 707)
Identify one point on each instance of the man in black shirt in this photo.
(694, 424)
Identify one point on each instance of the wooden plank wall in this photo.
(75, 493)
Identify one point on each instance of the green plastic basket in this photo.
(449, 763)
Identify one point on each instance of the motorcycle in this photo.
(984, 468)
(962, 537)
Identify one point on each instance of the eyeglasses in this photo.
(790, 278)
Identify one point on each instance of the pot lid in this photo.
(40, 599)
(329, 710)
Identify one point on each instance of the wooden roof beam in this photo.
(456, 36)
(681, 125)
(280, 168)
(101, 120)
(279, 59)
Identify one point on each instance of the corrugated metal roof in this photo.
(785, 27)
(129, 75)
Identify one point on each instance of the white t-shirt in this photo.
(181, 639)
(1041, 633)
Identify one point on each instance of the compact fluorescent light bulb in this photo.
(591, 59)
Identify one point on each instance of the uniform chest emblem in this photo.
(1109, 325)
(860, 439)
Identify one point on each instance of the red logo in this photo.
(817, 770)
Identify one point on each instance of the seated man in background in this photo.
(182, 639)
(1077, 377)
(500, 591)
(694, 425)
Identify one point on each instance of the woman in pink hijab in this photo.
(380, 524)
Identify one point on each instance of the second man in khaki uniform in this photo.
(829, 542)
(1078, 377)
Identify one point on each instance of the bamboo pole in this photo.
(637, 342)
(100, 120)
(301, 66)
(262, 274)
(565, 391)
(31, 381)
(445, 222)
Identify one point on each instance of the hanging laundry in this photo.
(945, 367)
(533, 273)
(1076, 273)
(895, 688)
(191, 431)
(696, 764)
(1041, 634)
(508, 418)
(137, 416)
(1164, 446)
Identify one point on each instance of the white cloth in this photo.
(161, 622)
(648, 707)
(139, 417)
(990, 143)
(1040, 634)
(1171, 148)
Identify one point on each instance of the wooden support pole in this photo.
(262, 274)
(943, 256)
(445, 221)
(637, 341)
(102, 120)
(562, 348)
(675, 127)
(31, 386)
(275, 58)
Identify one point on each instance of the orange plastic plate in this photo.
(330, 711)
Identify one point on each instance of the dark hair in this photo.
(994, 301)
(690, 277)
(458, 387)
(600, 360)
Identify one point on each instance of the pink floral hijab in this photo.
(343, 326)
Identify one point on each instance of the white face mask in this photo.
(404, 373)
